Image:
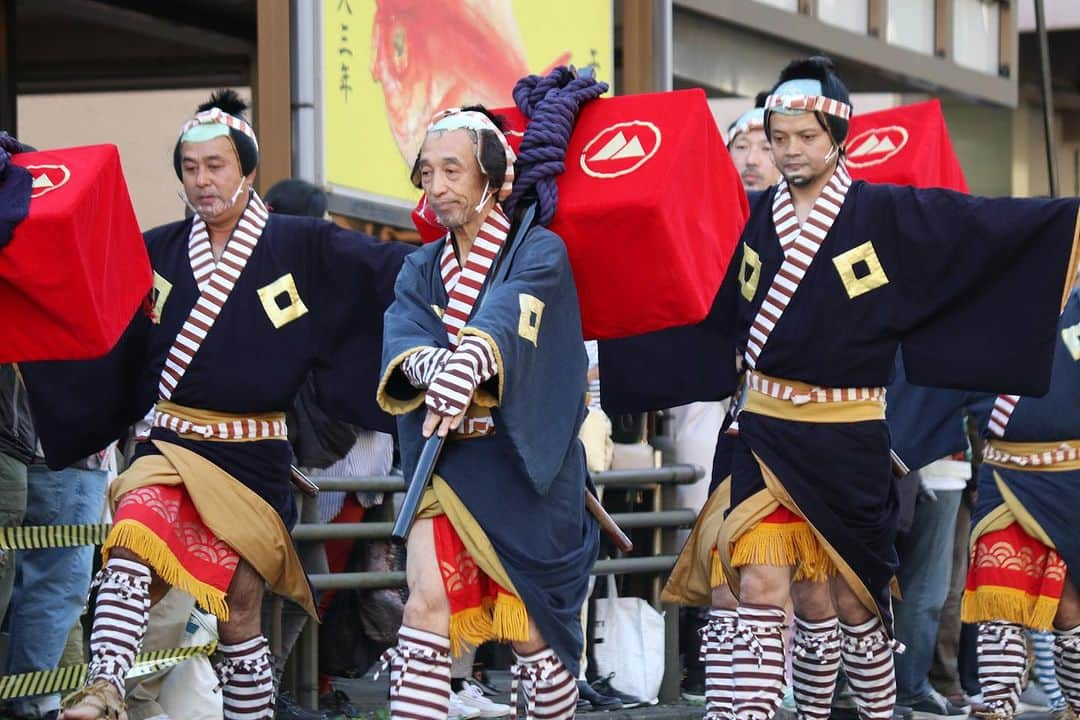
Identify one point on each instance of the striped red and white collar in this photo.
(821, 217)
(248, 231)
(463, 284)
(216, 281)
(800, 245)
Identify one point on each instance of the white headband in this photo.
(805, 95)
(458, 119)
(217, 116)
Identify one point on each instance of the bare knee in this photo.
(723, 598)
(428, 610)
(848, 606)
(765, 585)
(427, 607)
(244, 623)
(533, 645)
(245, 606)
(812, 600)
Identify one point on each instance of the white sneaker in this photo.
(473, 698)
(460, 710)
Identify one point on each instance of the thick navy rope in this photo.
(551, 103)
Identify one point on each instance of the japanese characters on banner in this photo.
(389, 65)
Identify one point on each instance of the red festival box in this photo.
(906, 145)
(76, 269)
(650, 209)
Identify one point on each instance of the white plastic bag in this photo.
(189, 690)
(629, 642)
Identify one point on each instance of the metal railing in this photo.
(663, 522)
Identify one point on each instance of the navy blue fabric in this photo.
(840, 477)
(15, 187)
(1050, 497)
(674, 367)
(524, 484)
(927, 424)
(1056, 415)
(722, 460)
(245, 365)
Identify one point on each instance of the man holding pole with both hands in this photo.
(483, 347)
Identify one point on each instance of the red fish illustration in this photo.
(433, 55)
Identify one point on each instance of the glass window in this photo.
(910, 24)
(789, 5)
(975, 34)
(851, 15)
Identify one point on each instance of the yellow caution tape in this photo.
(36, 537)
(73, 677)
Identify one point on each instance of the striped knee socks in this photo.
(550, 690)
(120, 618)
(1002, 658)
(867, 656)
(815, 660)
(247, 679)
(1067, 664)
(717, 639)
(419, 675)
(758, 661)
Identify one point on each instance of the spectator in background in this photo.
(16, 451)
(954, 672)
(296, 197)
(52, 584)
(927, 426)
(595, 434)
(750, 149)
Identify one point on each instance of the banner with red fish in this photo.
(906, 145)
(650, 208)
(76, 268)
(389, 65)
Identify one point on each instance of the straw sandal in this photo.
(100, 697)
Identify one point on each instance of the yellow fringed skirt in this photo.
(484, 604)
(782, 538)
(1013, 577)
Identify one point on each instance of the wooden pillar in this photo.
(8, 90)
(637, 47)
(943, 20)
(877, 18)
(272, 90)
(1006, 37)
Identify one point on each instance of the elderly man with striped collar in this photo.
(830, 279)
(483, 345)
(244, 306)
